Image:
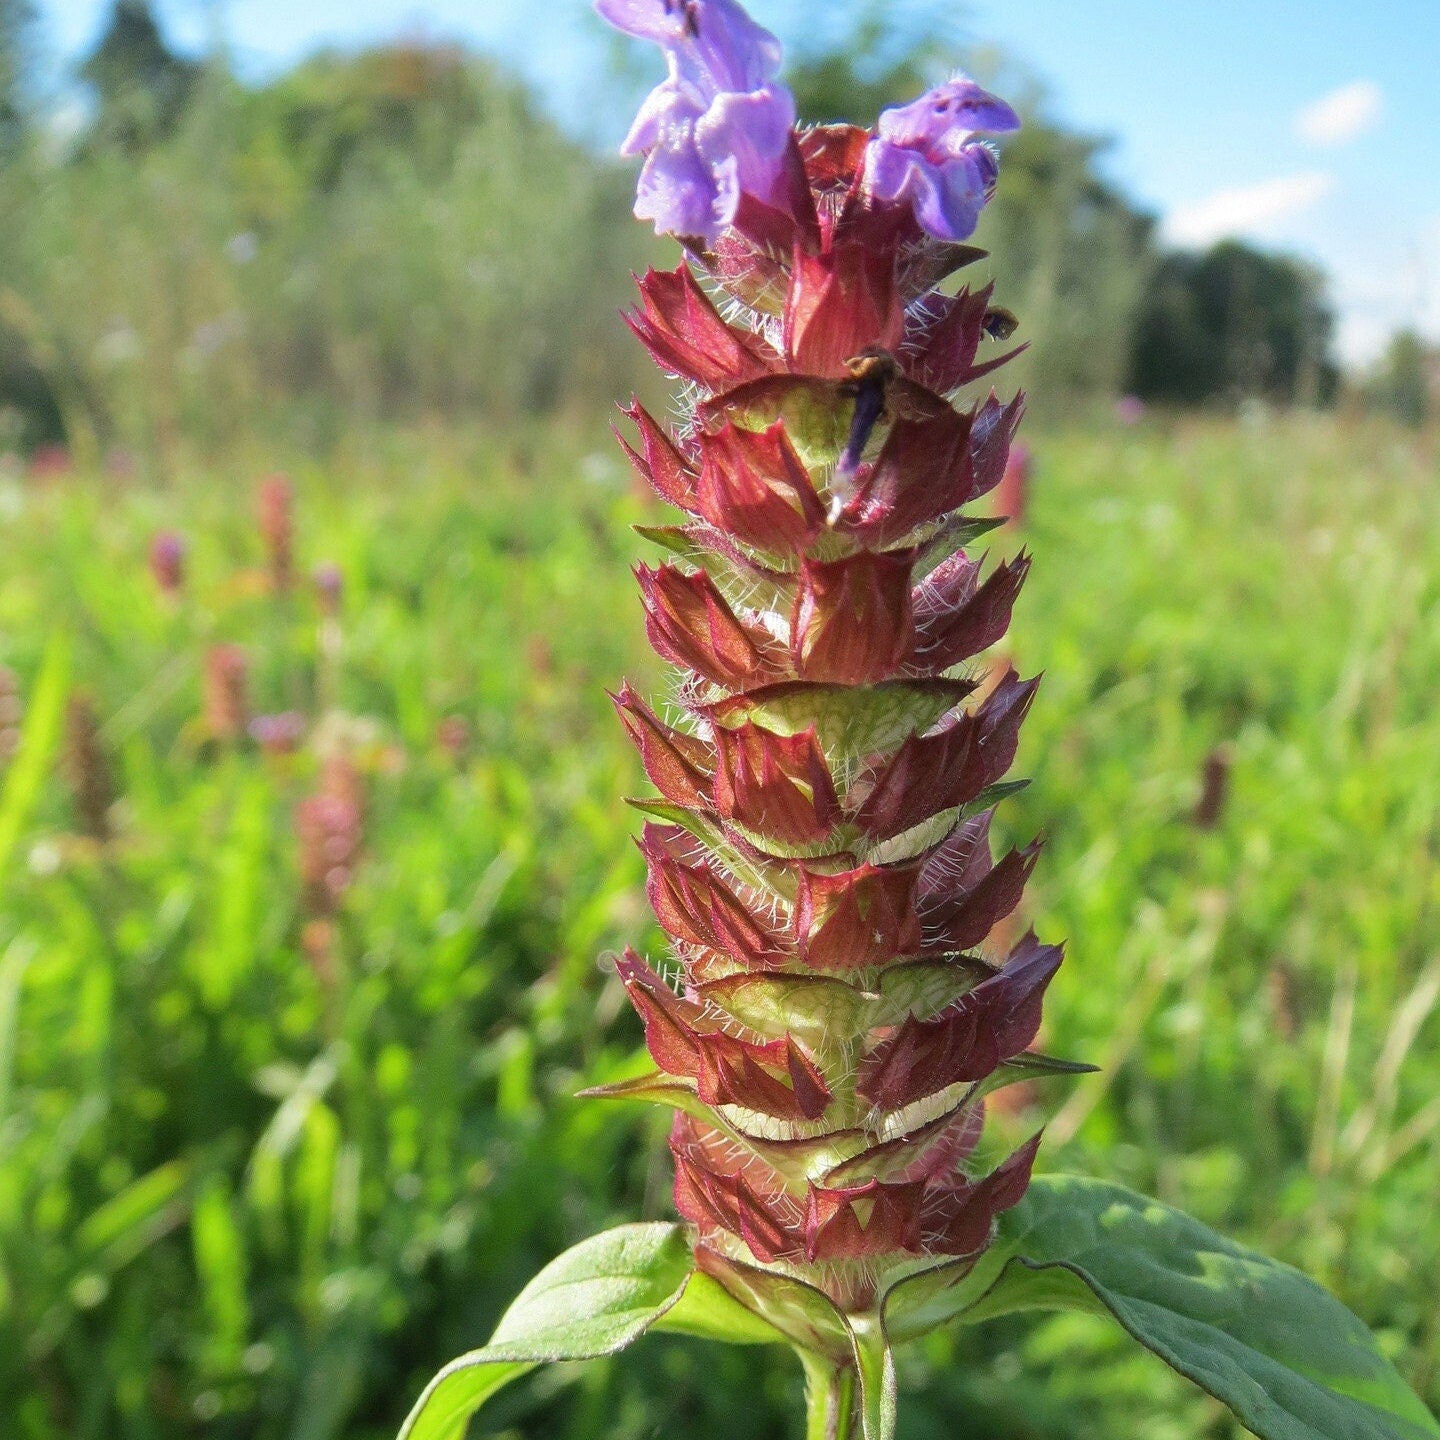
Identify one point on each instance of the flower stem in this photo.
(830, 1412)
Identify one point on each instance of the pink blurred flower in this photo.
(49, 462)
(1129, 409)
(279, 734)
(167, 562)
(1013, 492)
(329, 585)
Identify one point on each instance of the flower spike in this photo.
(825, 870)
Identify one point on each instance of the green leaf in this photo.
(129, 1223)
(39, 739)
(668, 537)
(993, 794)
(928, 1298)
(804, 1315)
(1036, 1066)
(971, 528)
(595, 1299)
(707, 1310)
(14, 962)
(1285, 1356)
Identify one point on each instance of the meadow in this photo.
(268, 1159)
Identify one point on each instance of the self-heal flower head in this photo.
(718, 126)
(925, 154)
(827, 1118)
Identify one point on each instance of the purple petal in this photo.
(751, 130)
(947, 198)
(944, 119)
(719, 126)
(678, 189)
(887, 169)
(925, 154)
(930, 198)
(711, 43)
(667, 111)
(645, 19)
(736, 52)
(984, 166)
(966, 184)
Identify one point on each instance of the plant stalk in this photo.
(830, 1412)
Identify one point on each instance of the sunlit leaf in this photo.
(593, 1300)
(39, 738)
(1285, 1356)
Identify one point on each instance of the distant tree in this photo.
(17, 19)
(1404, 381)
(1230, 323)
(141, 85)
(335, 111)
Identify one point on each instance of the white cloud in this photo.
(1343, 114)
(1247, 209)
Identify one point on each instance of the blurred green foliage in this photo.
(17, 19)
(403, 233)
(243, 1193)
(1405, 383)
(398, 234)
(252, 1190)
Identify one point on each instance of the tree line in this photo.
(405, 233)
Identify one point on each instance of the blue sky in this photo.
(1307, 124)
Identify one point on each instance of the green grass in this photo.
(242, 1195)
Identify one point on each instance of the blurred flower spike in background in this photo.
(167, 562)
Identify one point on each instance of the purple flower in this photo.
(1129, 409)
(717, 127)
(278, 734)
(329, 585)
(925, 155)
(167, 561)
